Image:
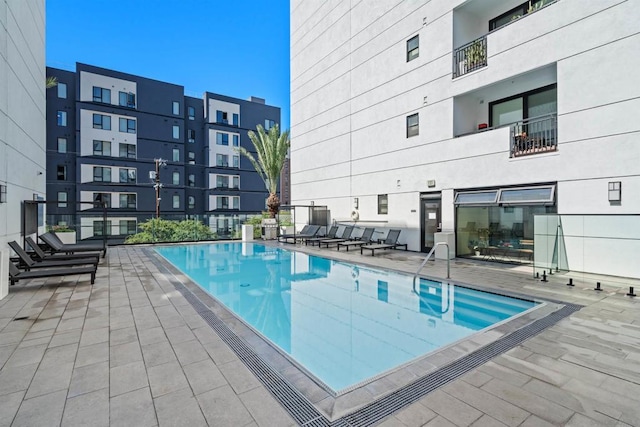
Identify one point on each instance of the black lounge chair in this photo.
(314, 231)
(304, 230)
(28, 263)
(16, 275)
(330, 235)
(365, 239)
(41, 255)
(346, 235)
(56, 245)
(391, 242)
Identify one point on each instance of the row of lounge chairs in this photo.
(61, 260)
(309, 235)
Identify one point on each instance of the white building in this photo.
(465, 116)
(22, 116)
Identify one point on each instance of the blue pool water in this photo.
(344, 323)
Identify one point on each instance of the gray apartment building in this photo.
(107, 132)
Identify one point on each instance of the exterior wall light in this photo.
(615, 191)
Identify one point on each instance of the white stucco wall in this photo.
(88, 134)
(89, 80)
(352, 89)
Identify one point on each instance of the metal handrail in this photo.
(431, 252)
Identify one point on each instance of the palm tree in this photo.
(271, 149)
(51, 82)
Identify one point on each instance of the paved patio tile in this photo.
(151, 336)
(265, 409)
(26, 355)
(92, 354)
(239, 376)
(41, 411)
(9, 404)
(90, 409)
(89, 378)
(133, 409)
(222, 407)
(450, 408)
(415, 415)
(158, 353)
(190, 352)
(179, 408)
(166, 378)
(123, 336)
(126, 378)
(50, 378)
(16, 378)
(124, 354)
(440, 422)
(204, 376)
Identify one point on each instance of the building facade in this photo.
(22, 116)
(141, 148)
(469, 117)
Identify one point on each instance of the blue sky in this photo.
(237, 48)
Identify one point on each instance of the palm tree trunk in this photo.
(273, 203)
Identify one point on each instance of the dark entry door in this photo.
(430, 219)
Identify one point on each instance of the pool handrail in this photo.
(431, 252)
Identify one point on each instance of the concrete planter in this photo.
(67, 237)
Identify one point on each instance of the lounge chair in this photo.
(304, 230)
(346, 235)
(313, 232)
(391, 242)
(16, 275)
(41, 255)
(365, 239)
(330, 235)
(28, 263)
(56, 245)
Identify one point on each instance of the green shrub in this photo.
(162, 230)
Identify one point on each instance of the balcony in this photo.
(470, 57)
(535, 135)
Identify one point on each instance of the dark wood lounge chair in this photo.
(16, 275)
(391, 242)
(330, 235)
(41, 255)
(56, 245)
(346, 235)
(28, 263)
(365, 239)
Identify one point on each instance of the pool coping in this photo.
(309, 403)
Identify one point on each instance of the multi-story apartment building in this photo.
(108, 131)
(465, 116)
(22, 117)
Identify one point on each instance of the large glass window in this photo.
(383, 204)
(476, 197)
(128, 150)
(222, 181)
(101, 228)
(236, 182)
(127, 99)
(62, 173)
(413, 48)
(176, 155)
(128, 227)
(62, 118)
(191, 135)
(127, 176)
(236, 161)
(175, 109)
(222, 160)
(62, 199)
(191, 202)
(222, 138)
(62, 90)
(176, 201)
(175, 178)
(101, 95)
(222, 202)
(100, 121)
(192, 113)
(236, 119)
(102, 199)
(413, 125)
(268, 124)
(191, 180)
(127, 125)
(127, 201)
(101, 148)
(222, 117)
(523, 106)
(236, 140)
(62, 145)
(101, 174)
(176, 132)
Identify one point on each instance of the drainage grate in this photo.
(303, 411)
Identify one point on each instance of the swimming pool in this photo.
(344, 323)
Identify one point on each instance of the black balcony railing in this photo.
(470, 57)
(535, 135)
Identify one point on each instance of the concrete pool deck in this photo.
(131, 350)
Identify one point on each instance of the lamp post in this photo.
(157, 185)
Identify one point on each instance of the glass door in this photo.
(431, 222)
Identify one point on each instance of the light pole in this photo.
(157, 185)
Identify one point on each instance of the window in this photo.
(62, 145)
(100, 121)
(236, 119)
(413, 48)
(127, 99)
(101, 95)
(222, 181)
(191, 135)
(100, 228)
(476, 197)
(192, 113)
(236, 182)
(101, 174)
(176, 132)
(236, 140)
(236, 202)
(127, 201)
(516, 13)
(191, 202)
(383, 204)
(221, 117)
(128, 151)
(527, 195)
(222, 138)
(62, 173)
(101, 148)
(62, 118)
(192, 158)
(127, 176)
(176, 154)
(536, 103)
(615, 191)
(236, 161)
(268, 124)
(176, 178)
(175, 109)
(222, 160)
(128, 227)
(176, 201)
(102, 199)
(191, 180)
(413, 126)
(62, 90)
(222, 202)
(127, 125)
(62, 199)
